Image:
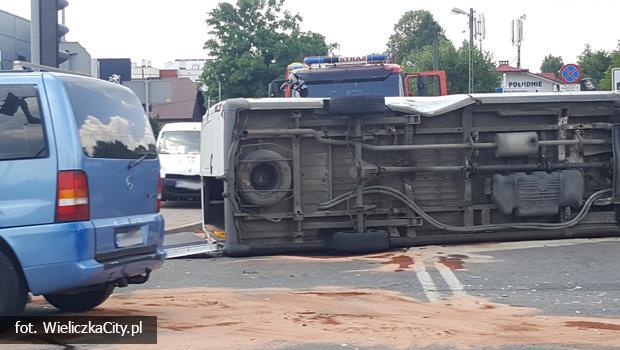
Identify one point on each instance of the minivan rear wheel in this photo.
(13, 291)
(80, 301)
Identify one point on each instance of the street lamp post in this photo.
(471, 44)
(147, 101)
(205, 91)
(219, 89)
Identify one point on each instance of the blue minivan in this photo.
(79, 191)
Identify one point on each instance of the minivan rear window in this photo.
(110, 119)
(22, 135)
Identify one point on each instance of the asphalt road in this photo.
(561, 277)
(570, 279)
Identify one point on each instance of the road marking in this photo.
(450, 278)
(535, 244)
(428, 286)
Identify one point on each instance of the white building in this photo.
(143, 70)
(521, 80)
(187, 68)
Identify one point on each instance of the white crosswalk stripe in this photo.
(428, 286)
(450, 278)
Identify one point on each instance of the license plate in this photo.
(128, 237)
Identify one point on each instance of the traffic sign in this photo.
(570, 73)
(570, 87)
(615, 79)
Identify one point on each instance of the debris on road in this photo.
(256, 318)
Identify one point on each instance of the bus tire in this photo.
(265, 178)
(370, 241)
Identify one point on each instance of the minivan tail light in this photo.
(160, 185)
(72, 196)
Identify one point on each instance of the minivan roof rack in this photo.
(33, 67)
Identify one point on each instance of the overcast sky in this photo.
(162, 31)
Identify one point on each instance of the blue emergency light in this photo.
(381, 58)
(376, 58)
(320, 60)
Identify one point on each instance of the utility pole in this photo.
(471, 48)
(35, 38)
(147, 103)
(435, 67)
(469, 14)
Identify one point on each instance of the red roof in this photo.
(167, 73)
(550, 76)
(182, 99)
(503, 68)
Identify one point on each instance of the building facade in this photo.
(169, 99)
(521, 80)
(15, 46)
(144, 70)
(187, 68)
(79, 59)
(14, 40)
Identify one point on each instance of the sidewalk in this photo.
(182, 216)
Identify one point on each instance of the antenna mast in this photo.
(517, 36)
(480, 28)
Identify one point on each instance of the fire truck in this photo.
(371, 75)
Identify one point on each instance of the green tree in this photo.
(251, 44)
(414, 30)
(551, 64)
(456, 64)
(605, 83)
(593, 64)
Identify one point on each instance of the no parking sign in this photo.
(570, 73)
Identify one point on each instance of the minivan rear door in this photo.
(120, 158)
(27, 155)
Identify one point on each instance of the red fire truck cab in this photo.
(330, 76)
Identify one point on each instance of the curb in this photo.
(185, 228)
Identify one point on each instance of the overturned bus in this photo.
(364, 173)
